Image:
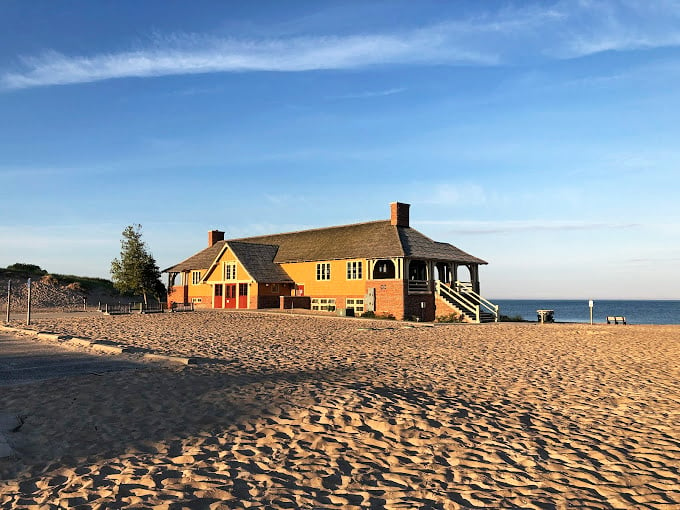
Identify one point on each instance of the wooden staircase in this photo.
(464, 301)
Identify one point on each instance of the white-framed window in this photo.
(230, 270)
(355, 270)
(356, 303)
(195, 277)
(323, 304)
(323, 271)
(196, 300)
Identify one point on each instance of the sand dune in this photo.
(308, 412)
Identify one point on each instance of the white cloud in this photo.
(565, 29)
(620, 26)
(230, 55)
(455, 195)
(371, 93)
(496, 227)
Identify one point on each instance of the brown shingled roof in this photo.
(258, 260)
(377, 239)
(201, 260)
(360, 240)
(420, 246)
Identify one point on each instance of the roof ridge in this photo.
(237, 239)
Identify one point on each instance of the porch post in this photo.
(474, 272)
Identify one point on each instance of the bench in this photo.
(616, 319)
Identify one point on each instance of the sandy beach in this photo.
(286, 411)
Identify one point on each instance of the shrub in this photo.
(373, 315)
(514, 318)
(20, 267)
(453, 317)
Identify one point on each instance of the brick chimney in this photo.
(215, 236)
(399, 216)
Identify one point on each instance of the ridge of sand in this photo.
(302, 412)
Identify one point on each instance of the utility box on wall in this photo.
(369, 300)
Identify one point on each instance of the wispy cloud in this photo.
(565, 29)
(497, 227)
(371, 93)
(456, 195)
(32, 171)
(619, 26)
(653, 260)
(194, 55)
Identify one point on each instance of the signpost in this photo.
(590, 304)
(9, 297)
(28, 310)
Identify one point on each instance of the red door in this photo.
(300, 289)
(243, 295)
(230, 295)
(217, 303)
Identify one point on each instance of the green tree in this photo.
(136, 271)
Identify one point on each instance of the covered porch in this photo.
(454, 285)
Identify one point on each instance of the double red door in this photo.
(225, 295)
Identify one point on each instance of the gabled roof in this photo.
(376, 239)
(201, 260)
(258, 260)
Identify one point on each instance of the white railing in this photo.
(462, 286)
(467, 300)
(461, 301)
(488, 305)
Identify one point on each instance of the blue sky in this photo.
(541, 137)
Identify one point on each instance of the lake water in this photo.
(570, 310)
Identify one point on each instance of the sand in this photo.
(308, 412)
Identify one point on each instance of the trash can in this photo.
(545, 316)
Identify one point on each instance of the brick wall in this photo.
(178, 294)
(413, 307)
(389, 297)
(287, 302)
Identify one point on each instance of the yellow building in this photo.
(385, 267)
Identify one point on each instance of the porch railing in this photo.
(461, 295)
(419, 286)
(454, 297)
(485, 303)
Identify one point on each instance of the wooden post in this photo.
(9, 297)
(28, 311)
